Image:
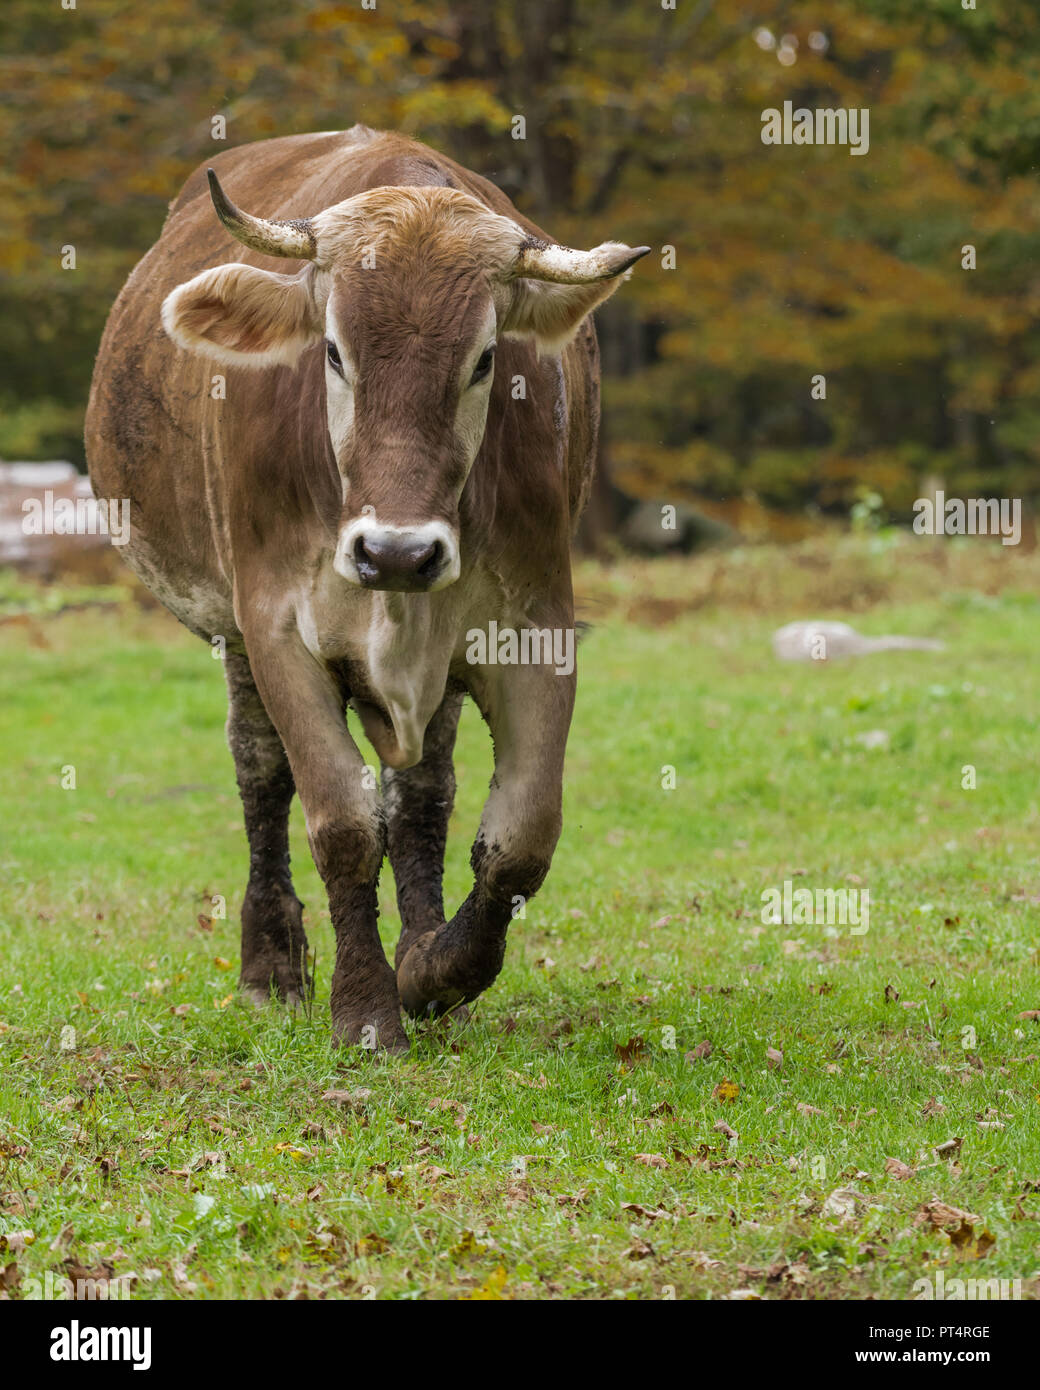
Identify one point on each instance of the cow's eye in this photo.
(335, 361)
(483, 366)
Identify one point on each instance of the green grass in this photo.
(184, 1136)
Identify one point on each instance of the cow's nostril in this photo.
(392, 559)
(429, 564)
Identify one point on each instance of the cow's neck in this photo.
(407, 658)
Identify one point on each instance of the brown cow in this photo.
(346, 472)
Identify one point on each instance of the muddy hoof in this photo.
(260, 995)
(421, 994)
(447, 1015)
(374, 1035)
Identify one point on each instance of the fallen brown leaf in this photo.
(843, 1203)
(87, 1281)
(949, 1148)
(353, 1100)
(648, 1213)
(630, 1051)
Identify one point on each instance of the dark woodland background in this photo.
(643, 124)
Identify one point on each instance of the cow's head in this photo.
(410, 289)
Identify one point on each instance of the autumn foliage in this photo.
(643, 123)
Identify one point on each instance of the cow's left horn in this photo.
(540, 260)
(294, 239)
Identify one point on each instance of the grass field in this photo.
(661, 1096)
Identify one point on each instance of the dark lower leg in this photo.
(418, 804)
(365, 1005)
(274, 945)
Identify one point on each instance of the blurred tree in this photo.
(642, 123)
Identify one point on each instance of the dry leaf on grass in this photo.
(949, 1148)
(573, 1199)
(843, 1203)
(179, 1269)
(16, 1241)
(372, 1244)
(86, 1281)
(965, 1230)
(353, 1100)
(971, 1242)
(647, 1213)
(630, 1051)
(786, 1272)
(701, 1260)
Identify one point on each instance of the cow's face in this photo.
(409, 360)
(408, 293)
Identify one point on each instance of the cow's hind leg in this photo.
(418, 802)
(274, 945)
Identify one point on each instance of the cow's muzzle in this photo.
(409, 559)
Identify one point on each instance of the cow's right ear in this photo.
(238, 314)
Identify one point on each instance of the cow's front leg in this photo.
(528, 710)
(344, 828)
(418, 802)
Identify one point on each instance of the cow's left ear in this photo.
(554, 288)
(239, 314)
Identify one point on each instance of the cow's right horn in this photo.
(293, 239)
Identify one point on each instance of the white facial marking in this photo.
(470, 422)
(471, 417)
(339, 390)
